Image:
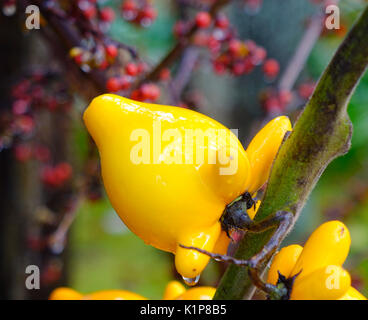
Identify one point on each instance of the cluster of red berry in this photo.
(148, 92)
(29, 95)
(141, 12)
(123, 82)
(40, 91)
(101, 56)
(57, 175)
(229, 54)
(90, 11)
(306, 89)
(25, 151)
(275, 101)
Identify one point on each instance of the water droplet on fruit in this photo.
(191, 281)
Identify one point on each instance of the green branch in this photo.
(322, 133)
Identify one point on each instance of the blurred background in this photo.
(254, 60)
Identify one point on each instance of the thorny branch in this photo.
(322, 133)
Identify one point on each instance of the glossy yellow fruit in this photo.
(353, 294)
(198, 293)
(173, 290)
(64, 293)
(284, 262)
(263, 148)
(326, 283)
(169, 172)
(329, 244)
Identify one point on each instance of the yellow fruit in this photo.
(113, 295)
(328, 245)
(173, 290)
(353, 294)
(169, 172)
(198, 293)
(263, 148)
(64, 293)
(284, 262)
(327, 283)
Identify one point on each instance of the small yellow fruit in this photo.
(329, 244)
(169, 172)
(173, 290)
(284, 262)
(64, 293)
(327, 283)
(198, 293)
(353, 294)
(113, 295)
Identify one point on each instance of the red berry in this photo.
(113, 84)
(111, 51)
(107, 14)
(203, 19)
(103, 65)
(258, 55)
(142, 66)
(125, 82)
(20, 107)
(63, 171)
(165, 74)
(219, 67)
(248, 65)
(222, 22)
(180, 29)
(131, 69)
(213, 44)
(150, 91)
(22, 152)
(48, 176)
(272, 105)
(136, 95)
(147, 15)
(238, 68)
(90, 12)
(42, 153)
(79, 59)
(305, 90)
(25, 124)
(235, 47)
(129, 5)
(129, 10)
(271, 68)
(285, 97)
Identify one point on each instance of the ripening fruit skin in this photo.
(352, 294)
(329, 244)
(173, 290)
(64, 293)
(263, 148)
(326, 283)
(198, 293)
(284, 262)
(167, 204)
